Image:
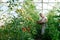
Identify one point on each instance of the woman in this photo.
(42, 22)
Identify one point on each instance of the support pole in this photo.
(42, 6)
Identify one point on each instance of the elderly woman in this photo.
(42, 22)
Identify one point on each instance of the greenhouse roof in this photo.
(42, 5)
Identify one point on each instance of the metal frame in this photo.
(39, 2)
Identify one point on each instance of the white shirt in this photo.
(43, 19)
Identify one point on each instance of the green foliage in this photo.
(52, 32)
(24, 27)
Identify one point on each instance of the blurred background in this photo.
(18, 19)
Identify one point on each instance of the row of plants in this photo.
(24, 26)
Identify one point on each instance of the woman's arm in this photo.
(42, 21)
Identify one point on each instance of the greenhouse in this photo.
(29, 19)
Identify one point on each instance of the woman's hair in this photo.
(41, 14)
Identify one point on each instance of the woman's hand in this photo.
(38, 22)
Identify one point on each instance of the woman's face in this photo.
(41, 15)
